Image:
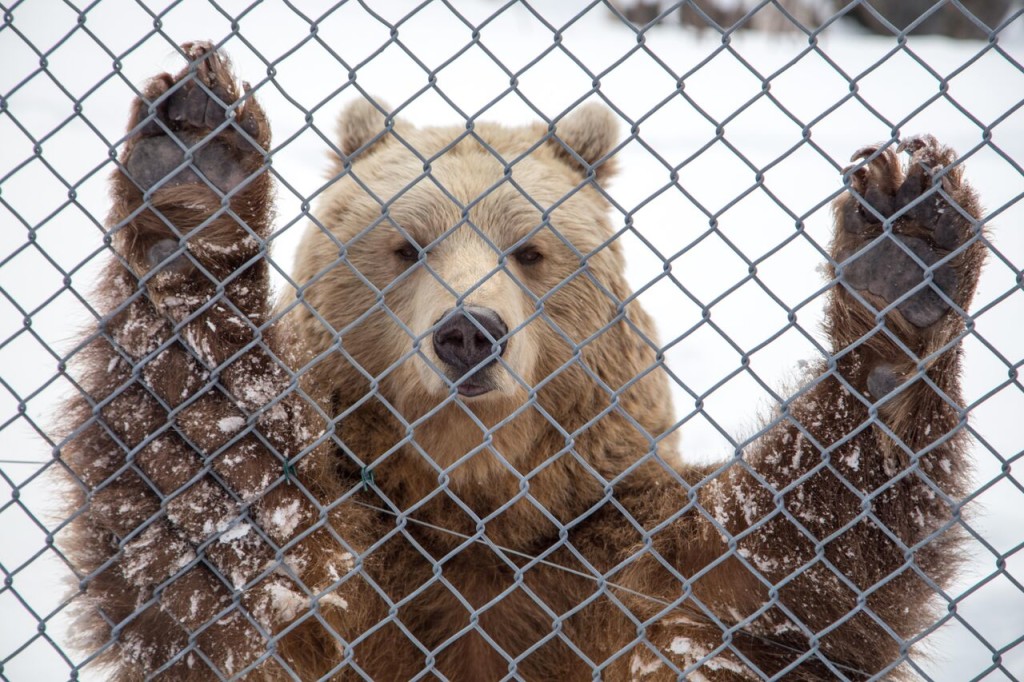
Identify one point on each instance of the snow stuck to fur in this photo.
(680, 646)
(852, 460)
(693, 654)
(638, 668)
(334, 599)
(239, 531)
(286, 602)
(287, 517)
(231, 424)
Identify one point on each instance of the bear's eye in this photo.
(528, 255)
(408, 252)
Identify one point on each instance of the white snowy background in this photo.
(58, 124)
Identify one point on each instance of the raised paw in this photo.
(195, 160)
(899, 221)
(190, 116)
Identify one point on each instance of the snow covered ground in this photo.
(787, 109)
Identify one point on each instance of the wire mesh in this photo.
(222, 504)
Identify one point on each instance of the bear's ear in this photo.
(587, 134)
(362, 122)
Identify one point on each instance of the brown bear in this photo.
(449, 450)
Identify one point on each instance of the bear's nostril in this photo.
(450, 337)
(467, 338)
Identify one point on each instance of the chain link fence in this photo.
(561, 536)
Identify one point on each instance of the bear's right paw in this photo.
(931, 209)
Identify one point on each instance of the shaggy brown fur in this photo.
(225, 520)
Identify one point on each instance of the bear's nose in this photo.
(469, 336)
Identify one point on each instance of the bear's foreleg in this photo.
(848, 504)
(199, 530)
(842, 513)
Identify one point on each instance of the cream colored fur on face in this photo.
(484, 194)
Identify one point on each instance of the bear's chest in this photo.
(484, 616)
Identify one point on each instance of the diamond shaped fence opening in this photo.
(576, 348)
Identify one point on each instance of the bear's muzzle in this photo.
(469, 340)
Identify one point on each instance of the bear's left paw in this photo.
(192, 186)
(187, 138)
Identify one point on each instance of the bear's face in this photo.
(483, 268)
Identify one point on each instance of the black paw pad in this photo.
(158, 254)
(190, 105)
(883, 380)
(156, 159)
(888, 271)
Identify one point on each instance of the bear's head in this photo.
(471, 276)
